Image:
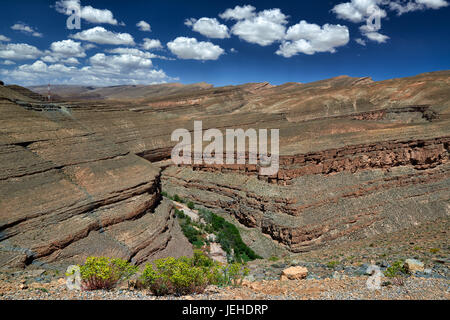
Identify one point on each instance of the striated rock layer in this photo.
(68, 192)
(84, 177)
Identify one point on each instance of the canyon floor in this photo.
(328, 289)
(364, 179)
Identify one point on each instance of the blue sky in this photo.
(222, 43)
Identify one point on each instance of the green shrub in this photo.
(397, 269)
(229, 237)
(192, 234)
(274, 258)
(434, 250)
(234, 274)
(177, 198)
(180, 214)
(191, 205)
(200, 259)
(164, 194)
(332, 264)
(190, 275)
(198, 243)
(105, 273)
(174, 276)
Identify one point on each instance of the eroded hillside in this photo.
(358, 159)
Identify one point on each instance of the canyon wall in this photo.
(68, 192)
(84, 177)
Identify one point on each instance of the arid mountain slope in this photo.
(68, 192)
(358, 158)
(124, 92)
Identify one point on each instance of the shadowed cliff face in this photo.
(358, 158)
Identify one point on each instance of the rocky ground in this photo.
(47, 287)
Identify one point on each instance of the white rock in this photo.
(294, 273)
(413, 265)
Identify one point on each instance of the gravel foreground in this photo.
(352, 288)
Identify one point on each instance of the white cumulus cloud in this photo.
(26, 29)
(263, 28)
(238, 13)
(4, 39)
(102, 36)
(433, 4)
(190, 48)
(360, 41)
(402, 7)
(358, 10)
(116, 69)
(137, 53)
(19, 51)
(144, 26)
(373, 35)
(122, 62)
(150, 44)
(209, 27)
(88, 13)
(368, 11)
(309, 38)
(38, 66)
(376, 36)
(68, 48)
(71, 60)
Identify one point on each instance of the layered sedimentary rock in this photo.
(68, 192)
(358, 158)
(315, 209)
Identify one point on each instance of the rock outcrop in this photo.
(294, 273)
(413, 266)
(68, 192)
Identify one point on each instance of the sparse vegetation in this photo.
(227, 233)
(178, 276)
(174, 276)
(177, 199)
(105, 273)
(190, 275)
(229, 238)
(332, 264)
(180, 214)
(274, 258)
(397, 269)
(234, 274)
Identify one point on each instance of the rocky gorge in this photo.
(84, 175)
